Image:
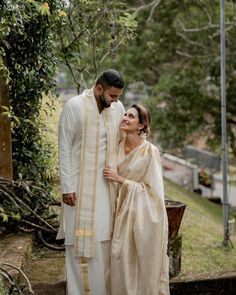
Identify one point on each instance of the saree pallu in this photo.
(139, 261)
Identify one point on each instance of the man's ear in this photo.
(99, 89)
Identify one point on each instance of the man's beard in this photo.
(103, 101)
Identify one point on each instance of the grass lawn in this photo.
(202, 234)
(202, 226)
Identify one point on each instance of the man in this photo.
(88, 138)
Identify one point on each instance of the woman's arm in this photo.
(113, 175)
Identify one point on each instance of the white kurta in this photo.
(70, 145)
(70, 137)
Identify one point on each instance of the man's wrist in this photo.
(66, 194)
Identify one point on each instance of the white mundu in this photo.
(73, 163)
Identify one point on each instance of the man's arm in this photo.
(66, 133)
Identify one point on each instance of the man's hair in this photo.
(111, 78)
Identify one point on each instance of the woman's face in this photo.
(130, 122)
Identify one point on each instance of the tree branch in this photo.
(231, 121)
(114, 49)
(153, 10)
(153, 5)
(22, 273)
(94, 56)
(204, 28)
(185, 54)
(192, 42)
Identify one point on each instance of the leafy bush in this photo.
(27, 50)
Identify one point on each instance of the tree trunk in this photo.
(6, 170)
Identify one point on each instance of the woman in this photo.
(139, 261)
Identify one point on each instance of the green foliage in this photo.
(177, 103)
(28, 53)
(154, 48)
(90, 33)
(177, 52)
(3, 215)
(3, 291)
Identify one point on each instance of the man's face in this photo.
(109, 95)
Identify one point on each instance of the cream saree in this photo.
(139, 261)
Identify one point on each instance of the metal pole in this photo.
(223, 128)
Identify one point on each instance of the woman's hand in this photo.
(112, 175)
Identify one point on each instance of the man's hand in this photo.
(69, 199)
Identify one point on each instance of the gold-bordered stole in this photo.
(84, 233)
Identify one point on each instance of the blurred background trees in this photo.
(172, 47)
(177, 53)
(90, 33)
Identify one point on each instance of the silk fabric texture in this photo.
(139, 261)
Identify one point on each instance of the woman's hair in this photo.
(144, 117)
(111, 78)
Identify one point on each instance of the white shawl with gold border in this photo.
(84, 233)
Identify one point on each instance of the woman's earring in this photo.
(142, 135)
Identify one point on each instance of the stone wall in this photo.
(180, 171)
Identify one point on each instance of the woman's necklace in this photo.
(129, 148)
